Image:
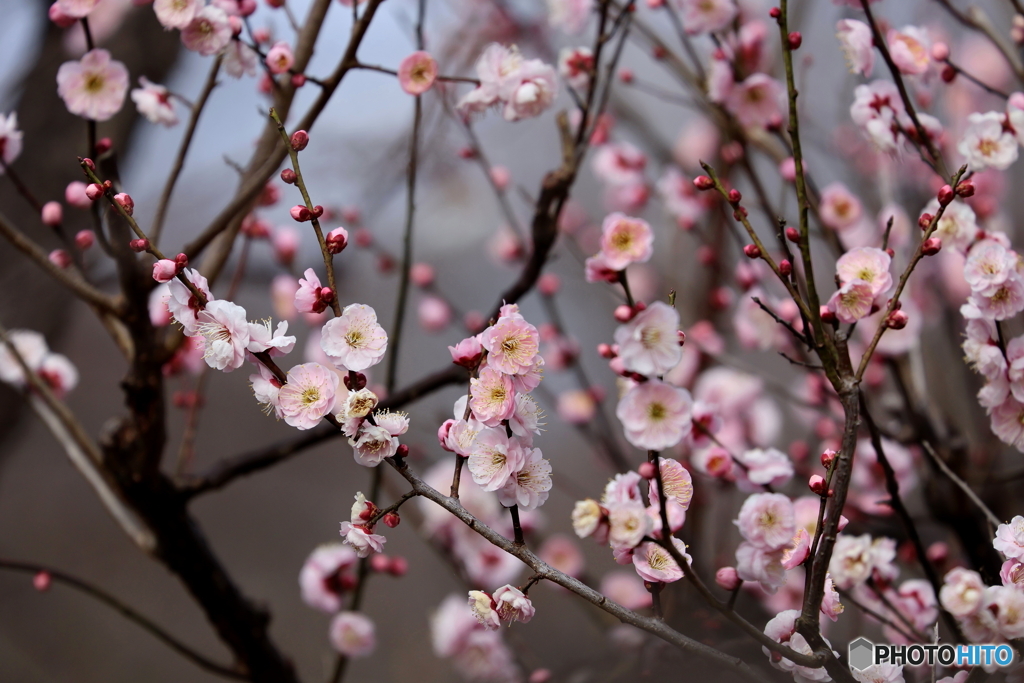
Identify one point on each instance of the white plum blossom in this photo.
(154, 102)
(225, 331)
(354, 341)
(529, 486)
(649, 343)
(655, 415)
(986, 143)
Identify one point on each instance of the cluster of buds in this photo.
(301, 214)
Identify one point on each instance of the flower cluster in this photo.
(507, 604)
(52, 368)
(495, 424)
(524, 88)
(478, 652)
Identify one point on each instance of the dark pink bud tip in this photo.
(931, 246)
(299, 140)
(752, 251)
(735, 196)
(103, 145)
(965, 188)
(288, 176)
(139, 245)
(897, 320)
(793, 235)
(817, 484)
(391, 520)
(785, 267)
(624, 313)
(703, 182)
(945, 195)
(795, 40)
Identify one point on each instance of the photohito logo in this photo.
(863, 653)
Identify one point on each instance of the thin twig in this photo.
(989, 515)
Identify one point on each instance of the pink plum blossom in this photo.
(1002, 301)
(77, 8)
(868, 264)
(266, 388)
(1009, 538)
(988, 265)
(625, 240)
(619, 163)
(32, 348)
(707, 16)
(492, 397)
(352, 634)
(761, 565)
(494, 458)
(279, 57)
(372, 444)
(93, 87)
(756, 101)
(320, 578)
(909, 48)
(208, 32)
(654, 563)
(176, 13)
(529, 486)
(1006, 607)
(766, 466)
(308, 395)
(854, 558)
(1012, 574)
(307, 298)
(225, 331)
(878, 109)
(513, 604)
(655, 415)
(535, 89)
(986, 143)
(830, 605)
(852, 301)
(569, 15)
(675, 481)
(354, 341)
(628, 524)
(961, 592)
(512, 345)
(239, 59)
(10, 141)
(276, 342)
(649, 343)
(858, 47)
(417, 72)
(483, 608)
(575, 66)
(496, 65)
(767, 520)
(782, 629)
(587, 518)
(154, 102)
(958, 225)
(840, 209)
(181, 302)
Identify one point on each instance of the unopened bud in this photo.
(795, 40)
(785, 267)
(93, 191)
(318, 211)
(843, 521)
(817, 484)
(792, 234)
(646, 470)
(125, 201)
(931, 246)
(827, 458)
(60, 258)
(606, 351)
(325, 294)
(52, 214)
(965, 188)
(735, 196)
(897, 320)
(891, 252)
(354, 381)
(41, 581)
(299, 140)
(728, 578)
(336, 240)
(925, 221)
(775, 13)
(752, 251)
(288, 176)
(138, 245)
(298, 80)
(89, 163)
(391, 520)
(940, 51)
(380, 563)
(626, 75)
(398, 566)
(300, 213)
(703, 182)
(402, 451)
(103, 145)
(85, 239)
(181, 260)
(945, 195)
(164, 270)
(624, 313)
(827, 315)
(948, 74)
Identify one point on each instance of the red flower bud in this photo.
(792, 234)
(326, 294)
(300, 213)
(897, 320)
(125, 201)
(659, 52)
(703, 182)
(785, 267)
(626, 75)
(931, 246)
(103, 145)
(925, 220)
(89, 163)
(298, 80)
(139, 245)
(41, 581)
(391, 520)
(288, 176)
(60, 258)
(945, 195)
(681, 336)
(299, 140)
(817, 484)
(948, 74)
(94, 191)
(85, 239)
(827, 456)
(354, 381)
(775, 13)
(735, 196)
(827, 315)
(795, 39)
(402, 451)
(399, 566)
(606, 351)
(890, 252)
(318, 211)
(965, 188)
(181, 260)
(752, 251)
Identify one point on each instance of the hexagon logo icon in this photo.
(861, 653)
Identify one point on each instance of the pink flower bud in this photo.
(890, 251)
(41, 581)
(827, 457)
(735, 196)
(606, 351)
(399, 566)
(89, 164)
(421, 274)
(288, 176)
(164, 270)
(703, 182)
(549, 284)
(58, 16)
(500, 176)
(965, 188)
(391, 520)
(775, 13)
(379, 562)
(785, 267)
(795, 40)
(337, 240)
(125, 202)
(442, 434)
(52, 214)
(93, 191)
(646, 470)
(181, 261)
(544, 675)
(298, 80)
(728, 578)
(752, 251)
(60, 258)
(402, 451)
(617, 366)
(236, 25)
(925, 220)
(318, 211)
(792, 234)
(325, 294)
(940, 51)
(931, 246)
(104, 145)
(626, 75)
(300, 213)
(299, 140)
(937, 552)
(827, 315)
(897, 320)
(843, 521)
(85, 239)
(624, 313)
(1017, 100)
(138, 245)
(945, 195)
(817, 484)
(246, 7)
